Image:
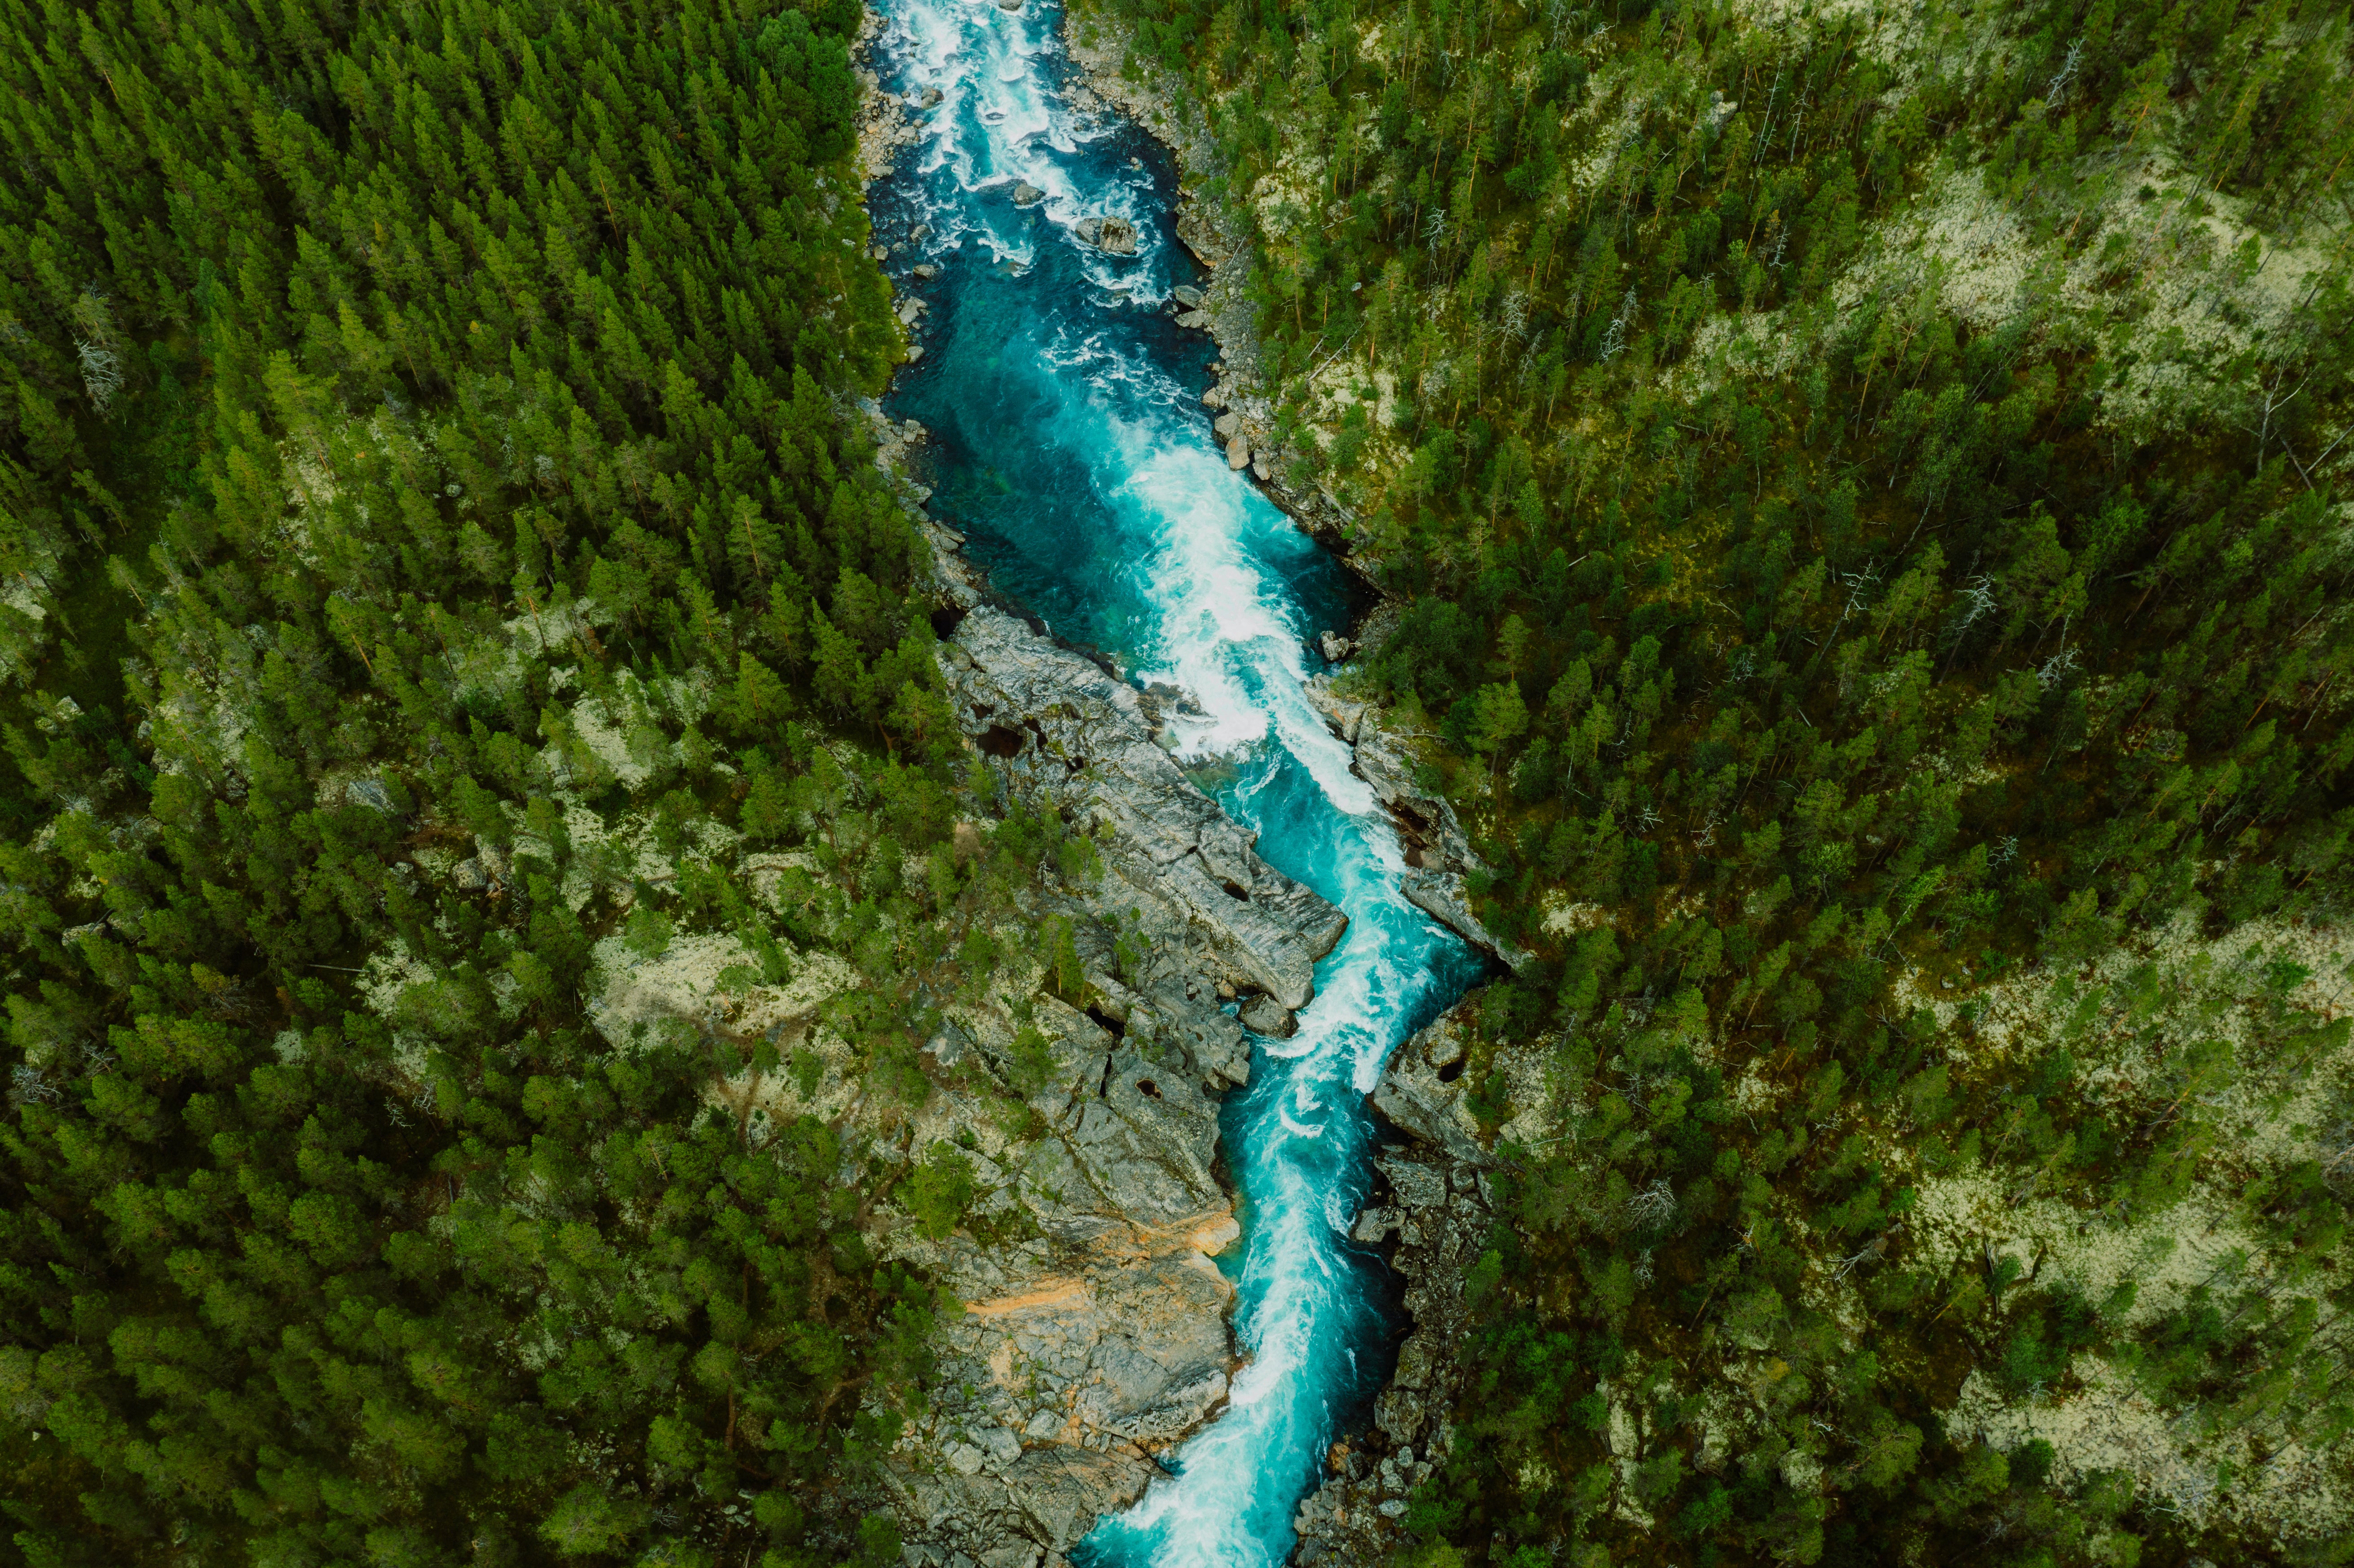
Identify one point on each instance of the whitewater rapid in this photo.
(1072, 448)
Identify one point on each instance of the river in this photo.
(1072, 449)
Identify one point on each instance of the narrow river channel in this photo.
(1072, 449)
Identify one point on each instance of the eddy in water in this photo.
(1074, 450)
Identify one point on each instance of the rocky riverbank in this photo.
(1437, 853)
(1097, 1335)
(1434, 1209)
(1239, 404)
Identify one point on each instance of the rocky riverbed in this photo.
(1096, 1336)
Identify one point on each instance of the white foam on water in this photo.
(1196, 550)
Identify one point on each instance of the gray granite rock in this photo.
(1103, 1342)
(1264, 1015)
(1079, 737)
(1438, 851)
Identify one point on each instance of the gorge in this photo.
(1071, 447)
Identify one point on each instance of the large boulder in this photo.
(1027, 195)
(1264, 1015)
(1113, 236)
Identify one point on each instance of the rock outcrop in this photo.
(1437, 1204)
(1112, 235)
(1080, 737)
(1437, 853)
(1094, 1345)
(1097, 1335)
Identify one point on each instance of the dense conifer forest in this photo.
(1863, 485)
(1857, 491)
(444, 566)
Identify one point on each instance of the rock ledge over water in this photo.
(1083, 738)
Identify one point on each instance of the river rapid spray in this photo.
(1071, 449)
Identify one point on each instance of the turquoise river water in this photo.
(1072, 448)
